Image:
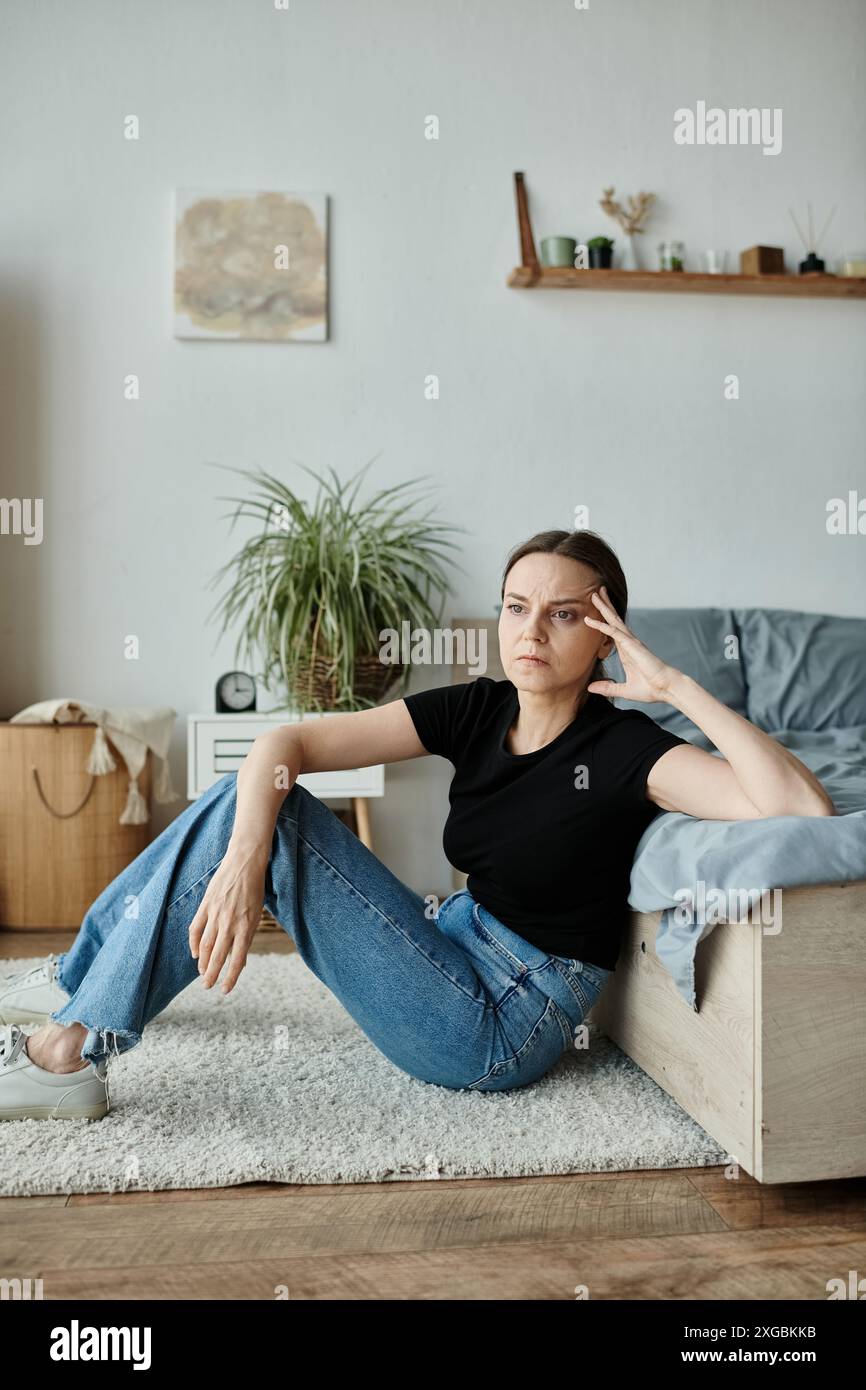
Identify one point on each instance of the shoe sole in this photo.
(21, 1016)
(46, 1112)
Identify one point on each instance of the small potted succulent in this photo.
(600, 252)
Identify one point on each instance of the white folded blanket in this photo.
(132, 731)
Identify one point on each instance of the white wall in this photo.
(547, 399)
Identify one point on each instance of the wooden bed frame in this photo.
(773, 1064)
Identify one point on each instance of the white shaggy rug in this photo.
(275, 1082)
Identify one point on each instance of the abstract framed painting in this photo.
(251, 266)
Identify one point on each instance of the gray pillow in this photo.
(698, 641)
(803, 670)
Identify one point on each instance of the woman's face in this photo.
(546, 598)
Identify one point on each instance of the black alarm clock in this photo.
(235, 693)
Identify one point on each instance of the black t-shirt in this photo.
(547, 838)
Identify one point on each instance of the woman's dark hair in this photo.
(589, 549)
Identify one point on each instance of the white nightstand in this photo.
(218, 743)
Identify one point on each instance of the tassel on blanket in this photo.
(135, 811)
(100, 759)
(163, 790)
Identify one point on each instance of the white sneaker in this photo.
(30, 996)
(28, 1091)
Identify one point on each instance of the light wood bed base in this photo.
(773, 1064)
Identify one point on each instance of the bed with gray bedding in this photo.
(801, 677)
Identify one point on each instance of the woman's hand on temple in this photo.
(646, 678)
(228, 917)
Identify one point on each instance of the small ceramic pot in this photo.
(558, 250)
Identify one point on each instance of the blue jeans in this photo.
(457, 999)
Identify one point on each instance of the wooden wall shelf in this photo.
(687, 282)
(531, 275)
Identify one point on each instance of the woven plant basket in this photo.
(371, 681)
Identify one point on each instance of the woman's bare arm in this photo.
(758, 778)
(755, 778)
(230, 911)
(338, 742)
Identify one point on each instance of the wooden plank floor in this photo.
(661, 1234)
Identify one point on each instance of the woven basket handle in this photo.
(61, 815)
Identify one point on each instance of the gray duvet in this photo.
(701, 872)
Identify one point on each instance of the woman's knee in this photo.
(296, 797)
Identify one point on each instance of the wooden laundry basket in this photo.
(55, 862)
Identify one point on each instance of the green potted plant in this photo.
(317, 584)
(600, 252)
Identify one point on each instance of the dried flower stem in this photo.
(630, 216)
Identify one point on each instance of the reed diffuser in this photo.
(812, 264)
